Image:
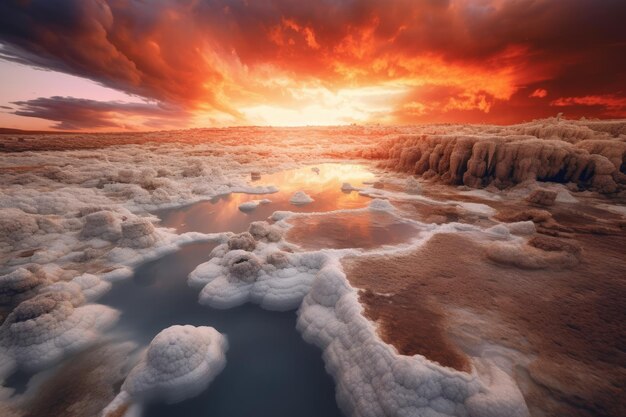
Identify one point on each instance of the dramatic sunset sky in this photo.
(139, 64)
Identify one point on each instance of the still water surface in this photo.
(270, 370)
(222, 214)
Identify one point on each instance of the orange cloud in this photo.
(539, 93)
(614, 105)
(282, 34)
(70, 113)
(237, 61)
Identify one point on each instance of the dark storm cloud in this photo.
(71, 113)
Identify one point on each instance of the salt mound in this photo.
(248, 206)
(71, 289)
(85, 210)
(498, 231)
(275, 279)
(19, 285)
(92, 286)
(251, 205)
(180, 363)
(138, 233)
(264, 231)
(102, 224)
(379, 204)
(16, 225)
(244, 241)
(247, 189)
(42, 330)
(126, 175)
(300, 198)
(279, 259)
(195, 168)
(243, 265)
(522, 228)
(85, 287)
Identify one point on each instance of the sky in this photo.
(116, 65)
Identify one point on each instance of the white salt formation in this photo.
(244, 241)
(16, 225)
(251, 267)
(373, 380)
(102, 224)
(263, 231)
(248, 206)
(551, 150)
(92, 286)
(20, 285)
(42, 330)
(247, 189)
(300, 198)
(243, 265)
(522, 228)
(138, 233)
(379, 204)
(76, 212)
(66, 288)
(180, 363)
(251, 205)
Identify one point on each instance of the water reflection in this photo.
(222, 213)
(349, 230)
(271, 371)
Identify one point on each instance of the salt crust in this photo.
(43, 218)
(300, 198)
(372, 378)
(42, 330)
(180, 363)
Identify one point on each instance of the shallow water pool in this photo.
(270, 370)
(222, 214)
(363, 230)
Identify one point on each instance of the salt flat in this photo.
(467, 270)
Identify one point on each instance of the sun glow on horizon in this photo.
(290, 63)
(323, 107)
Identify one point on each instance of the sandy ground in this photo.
(22, 142)
(562, 324)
